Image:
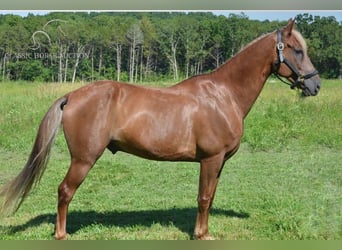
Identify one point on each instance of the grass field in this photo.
(284, 182)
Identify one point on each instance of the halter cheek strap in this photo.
(281, 59)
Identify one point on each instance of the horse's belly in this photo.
(158, 151)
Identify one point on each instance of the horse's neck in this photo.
(245, 74)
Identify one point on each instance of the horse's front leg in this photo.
(209, 176)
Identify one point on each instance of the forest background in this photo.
(144, 47)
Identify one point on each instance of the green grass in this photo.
(284, 182)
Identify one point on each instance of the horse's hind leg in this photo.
(209, 176)
(75, 176)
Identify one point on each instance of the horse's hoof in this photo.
(61, 237)
(204, 237)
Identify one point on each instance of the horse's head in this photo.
(293, 62)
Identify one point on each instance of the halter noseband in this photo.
(295, 72)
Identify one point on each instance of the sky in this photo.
(283, 15)
(261, 15)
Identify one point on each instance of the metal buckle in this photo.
(280, 46)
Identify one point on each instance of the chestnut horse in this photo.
(199, 119)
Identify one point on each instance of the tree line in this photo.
(136, 47)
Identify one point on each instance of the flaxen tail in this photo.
(14, 193)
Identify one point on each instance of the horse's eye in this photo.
(299, 51)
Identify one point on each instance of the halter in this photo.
(295, 72)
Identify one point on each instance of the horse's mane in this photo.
(253, 42)
(242, 49)
(296, 33)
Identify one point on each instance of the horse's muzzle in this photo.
(311, 86)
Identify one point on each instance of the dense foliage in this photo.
(135, 47)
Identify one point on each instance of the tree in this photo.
(133, 46)
(189, 36)
(135, 38)
(217, 41)
(149, 47)
(119, 27)
(57, 46)
(169, 39)
(13, 45)
(99, 40)
(324, 38)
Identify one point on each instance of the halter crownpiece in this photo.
(282, 59)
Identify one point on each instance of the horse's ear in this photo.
(289, 27)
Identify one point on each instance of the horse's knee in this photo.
(203, 203)
(204, 199)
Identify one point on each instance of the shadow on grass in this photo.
(183, 219)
